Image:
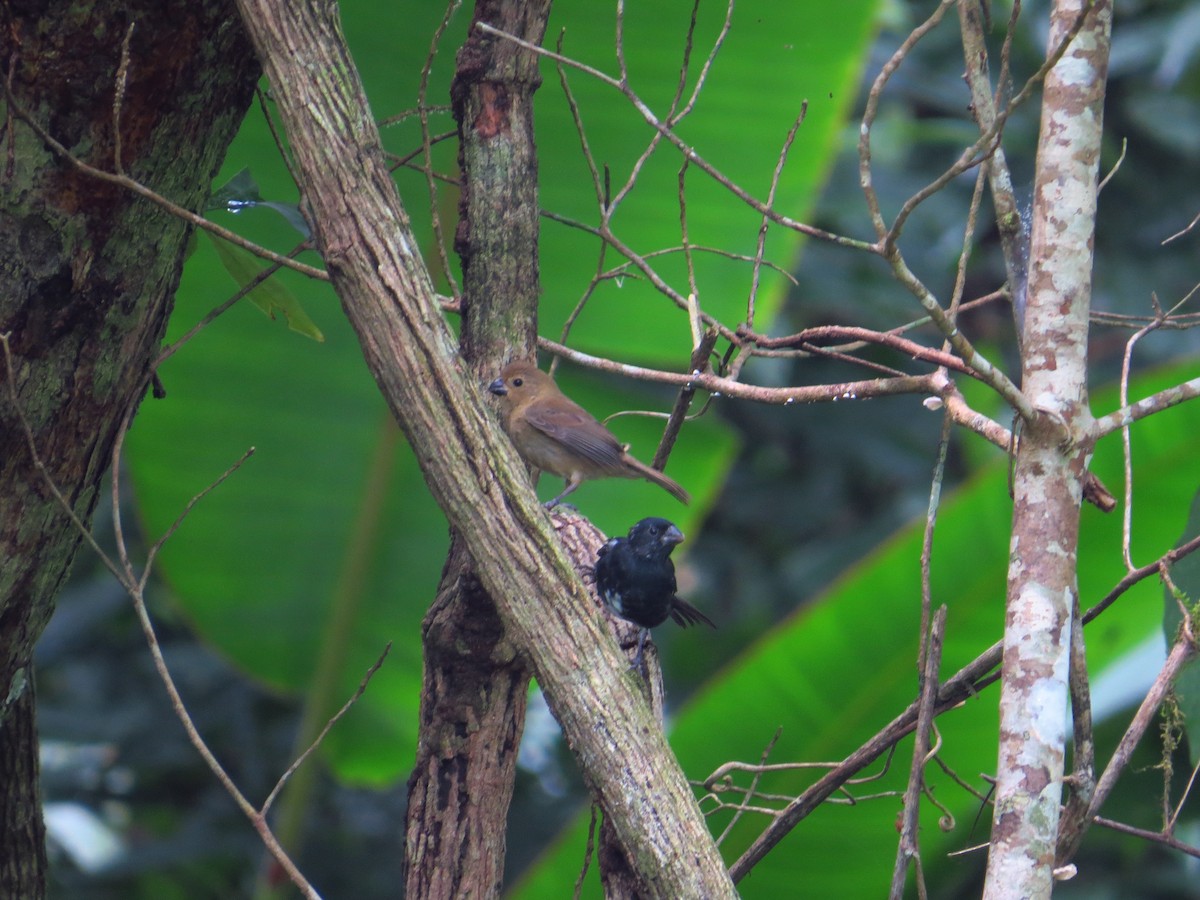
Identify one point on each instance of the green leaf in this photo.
(288, 569)
(269, 296)
(739, 125)
(844, 666)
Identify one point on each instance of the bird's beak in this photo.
(672, 536)
(497, 387)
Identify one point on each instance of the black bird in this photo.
(636, 579)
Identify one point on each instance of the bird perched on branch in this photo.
(636, 579)
(558, 435)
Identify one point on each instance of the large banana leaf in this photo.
(841, 668)
(326, 545)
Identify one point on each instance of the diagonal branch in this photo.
(471, 468)
(964, 685)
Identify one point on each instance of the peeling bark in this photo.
(1051, 463)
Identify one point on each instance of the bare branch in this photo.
(1182, 652)
(874, 95)
(1014, 240)
(1156, 837)
(683, 402)
(966, 683)
(758, 774)
(1164, 399)
(427, 149)
(320, 738)
(691, 155)
(134, 586)
(987, 372)
(760, 248)
(1183, 231)
(142, 191)
(909, 848)
(850, 390)
(890, 339)
(1127, 511)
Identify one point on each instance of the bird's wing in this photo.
(575, 429)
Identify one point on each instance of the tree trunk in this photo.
(87, 272)
(472, 470)
(475, 684)
(1051, 463)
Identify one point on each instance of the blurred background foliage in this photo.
(284, 586)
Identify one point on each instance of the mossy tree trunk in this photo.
(87, 273)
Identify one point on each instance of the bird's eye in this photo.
(517, 382)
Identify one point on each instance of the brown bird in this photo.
(558, 435)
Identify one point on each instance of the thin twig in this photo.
(427, 149)
(786, 396)
(1183, 231)
(259, 277)
(931, 514)
(761, 245)
(683, 402)
(988, 373)
(712, 55)
(320, 738)
(863, 337)
(686, 243)
(1014, 236)
(1115, 166)
(985, 146)
(1082, 780)
(142, 191)
(1153, 836)
(281, 146)
(908, 848)
(1147, 406)
(1173, 818)
(588, 851)
(134, 585)
(682, 146)
(1183, 651)
(740, 811)
(1126, 365)
(577, 119)
(964, 684)
(40, 465)
(871, 109)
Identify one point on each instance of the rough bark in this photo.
(475, 685)
(1051, 463)
(22, 836)
(472, 716)
(471, 468)
(87, 272)
(499, 215)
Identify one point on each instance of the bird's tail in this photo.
(686, 614)
(667, 484)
